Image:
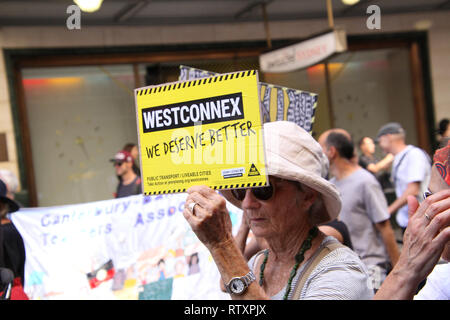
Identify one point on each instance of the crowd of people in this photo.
(321, 229)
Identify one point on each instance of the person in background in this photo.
(367, 159)
(133, 150)
(444, 132)
(380, 169)
(129, 181)
(364, 207)
(410, 169)
(426, 240)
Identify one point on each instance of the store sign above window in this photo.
(305, 53)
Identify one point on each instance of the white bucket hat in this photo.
(293, 154)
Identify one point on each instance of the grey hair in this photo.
(401, 135)
(10, 179)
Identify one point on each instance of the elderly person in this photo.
(298, 263)
(426, 239)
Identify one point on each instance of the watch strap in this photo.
(249, 278)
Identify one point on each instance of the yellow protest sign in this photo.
(205, 131)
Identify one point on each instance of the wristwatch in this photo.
(238, 285)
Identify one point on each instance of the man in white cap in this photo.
(410, 170)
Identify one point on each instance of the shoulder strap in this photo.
(326, 249)
(395, 169)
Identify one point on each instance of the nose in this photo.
(250, 201)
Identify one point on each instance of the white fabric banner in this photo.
(139, 247)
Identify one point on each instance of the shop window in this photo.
(78, 118)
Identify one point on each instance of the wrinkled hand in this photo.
(424, 239)
(210, 219)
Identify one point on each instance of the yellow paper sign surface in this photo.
(201, 132)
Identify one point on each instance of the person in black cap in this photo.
(410, 170)
(12, 250)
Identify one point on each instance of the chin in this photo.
(259, 231)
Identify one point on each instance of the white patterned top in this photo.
(340, 275)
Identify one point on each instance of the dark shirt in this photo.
(364, 161)
(130, 189)
(342, 228)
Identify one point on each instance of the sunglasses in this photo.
(260, 193)
(118, 163)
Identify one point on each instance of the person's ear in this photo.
(310, 196)
(331, 152)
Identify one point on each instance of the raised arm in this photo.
(211, 223)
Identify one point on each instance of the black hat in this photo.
(13, 206)
(390, 128)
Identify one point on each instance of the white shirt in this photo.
(437, 286)
(410, 165)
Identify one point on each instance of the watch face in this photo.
(237, 286)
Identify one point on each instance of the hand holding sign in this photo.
(209, 217)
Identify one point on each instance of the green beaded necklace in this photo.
(298, 260)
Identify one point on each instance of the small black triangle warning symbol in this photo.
(253, 171)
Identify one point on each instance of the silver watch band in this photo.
(249, 278)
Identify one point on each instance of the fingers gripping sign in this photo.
(207, 214)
